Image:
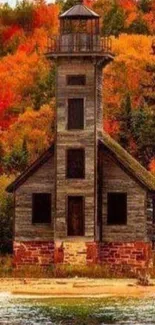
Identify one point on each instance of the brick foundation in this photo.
(58, 253)
(93, 253)
(132, 256)
(33, 253)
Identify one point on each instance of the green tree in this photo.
(139, 26)
(7, 16)
(125, 122)
(6, 216)
(25, 153)
(24, 14)
(148, 86)
(114, 21)
(68, 4)
(44, 90)
(17, 159)
(145, 5)
(60, 3)
(143, 130)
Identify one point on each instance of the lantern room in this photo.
(79, 33)
(79, 20)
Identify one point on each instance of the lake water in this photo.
(120, 311)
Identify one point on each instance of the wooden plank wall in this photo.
(42, 181)
(115, 179)
(72, 139)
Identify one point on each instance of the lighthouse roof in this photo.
(79, 11)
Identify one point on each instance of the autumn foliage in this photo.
(27, 79)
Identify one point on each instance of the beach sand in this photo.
(75, 287)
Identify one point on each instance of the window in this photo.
(41, 208)
(75, 113)
(75, 163)
(153, 245)
(153, 203)
(76, 80)
(75, 216)
(117, 209)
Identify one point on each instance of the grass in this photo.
(62, 271)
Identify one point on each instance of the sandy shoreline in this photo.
(76, 287)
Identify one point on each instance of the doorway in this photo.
(75, 218)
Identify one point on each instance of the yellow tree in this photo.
(34, 130)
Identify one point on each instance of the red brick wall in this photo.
(58, 254)
(33, 253)
(93, 253)
(135, 255)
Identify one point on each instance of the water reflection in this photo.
(20, 311)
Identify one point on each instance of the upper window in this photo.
(153, 198)
(75, 163)
(75, 114)
(41, 208)
(117, 209)
(76, 80)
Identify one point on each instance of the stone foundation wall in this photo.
(131, 256)
(134, 255)
(75, 253)
(33, 253)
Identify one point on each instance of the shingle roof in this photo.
(130, 163)
(78, 11)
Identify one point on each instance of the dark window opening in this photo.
(41, 208)
(153, 203)
(75, 113)
(153, 245)
(76, 80)
(75, 216)
(75, 163)
(117, 209)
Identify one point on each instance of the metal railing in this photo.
(78, 43)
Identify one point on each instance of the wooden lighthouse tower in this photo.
(80, 54)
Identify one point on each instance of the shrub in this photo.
(6, 268)
(6, 216)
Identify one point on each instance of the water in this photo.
(120, 311)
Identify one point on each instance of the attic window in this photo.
(75, 114)
(117, 209)
(76, 80)
(41, 208)
(153, 245)
(153, 203)
(75, 163)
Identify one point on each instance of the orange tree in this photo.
(27, 138)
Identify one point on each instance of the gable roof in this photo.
(31, 169)
(143, 176)
(78, 11)
(130, 163)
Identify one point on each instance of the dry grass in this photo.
(62, 271)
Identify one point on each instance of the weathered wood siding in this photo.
(99, 98)
(115, 179)
(42, 181)
(71, 139)
(150, 223)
